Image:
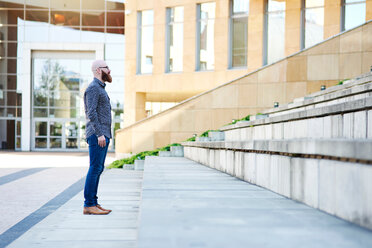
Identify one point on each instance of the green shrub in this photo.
(191, 139)
(140, 156)
(342, 81)
(205, 134)
(242, 119)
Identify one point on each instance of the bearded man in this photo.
(98, 133)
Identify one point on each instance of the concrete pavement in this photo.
(179, 203)
(185, 204)
(68, 227)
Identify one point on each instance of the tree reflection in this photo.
(51, 76)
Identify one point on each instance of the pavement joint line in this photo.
(20, 174)
(31, 220)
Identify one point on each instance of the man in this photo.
(98, 133)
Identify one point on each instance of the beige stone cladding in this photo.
(242, 92)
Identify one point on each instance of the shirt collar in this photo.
(99, 82)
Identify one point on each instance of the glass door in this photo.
(58, 84)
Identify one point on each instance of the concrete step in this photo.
(353, 89)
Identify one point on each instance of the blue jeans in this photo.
(97, 156)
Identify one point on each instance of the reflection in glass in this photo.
(71, 129)
(18, 143)
(275, 30)
(64, 98)
(40, 98)
(10, 17)
(39, 4)
(55, 128)
(37, 15)
(65, 18)
(11, 31)
(94, 18)
(276, 5)
(63, 113)
(174, 39)
(205, 36)
(55, 143)
(146, 34)
(115, 19)
(114, 5)
(314, 25)
(240, 6)
(40, 112)
(41, 128)
(40, 143)
(239, 33)
(355, 15)
(71, 143)
(18, 128)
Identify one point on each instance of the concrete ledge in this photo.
(349, 88)
(352, 106)
(340, 188)
(340, 148)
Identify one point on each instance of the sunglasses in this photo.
(105, 67)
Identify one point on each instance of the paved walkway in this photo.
(185, 204)
(68, 227)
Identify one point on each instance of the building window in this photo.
(239, 10)
(57, 110)
(274, 31)
(174, 39)
(353, 14)
(145, 49)
(205, 36)
(312, 22)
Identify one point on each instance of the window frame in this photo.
(342, 15)
(231, 34)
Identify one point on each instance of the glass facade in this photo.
(275, 31)
(205, 36)
(58, 118)
(353, 14)
(239, 10)
(145, 41)
(174, 39)
(313, 22)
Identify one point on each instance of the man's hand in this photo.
(102, 141)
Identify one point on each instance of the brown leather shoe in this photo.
(94, 210)
(103, 209)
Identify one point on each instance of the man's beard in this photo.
(106, 77)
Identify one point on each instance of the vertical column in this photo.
(368, 10)
(159, 39)
(189, 36)
(255, 34)
(292, 26)
(221, 35)
(140, 106)
(130, 61)
(332, 15)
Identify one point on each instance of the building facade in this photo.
(46, 51)
(177, 49)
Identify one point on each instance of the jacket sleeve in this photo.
(91, 98)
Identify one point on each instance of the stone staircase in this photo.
(316, 150)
